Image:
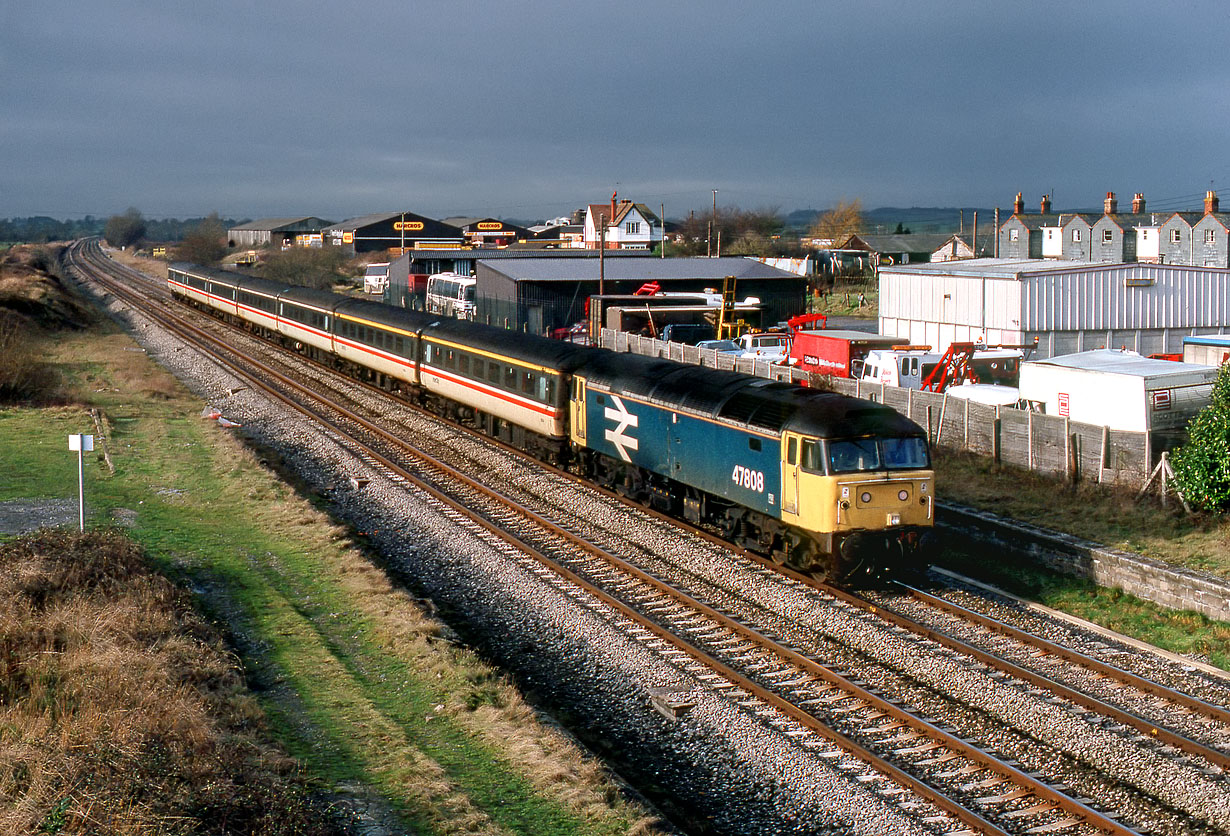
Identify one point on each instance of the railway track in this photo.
(743, 647)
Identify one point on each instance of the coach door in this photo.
(578, 409)
(790, 474)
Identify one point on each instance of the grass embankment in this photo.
(121, 711)
(358, 685)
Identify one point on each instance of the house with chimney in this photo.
(1021, 236)
(1116, 234)
(1185, 238)
(621, 225)
(1211, 236)
(1069, 239)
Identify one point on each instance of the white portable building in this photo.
(1118, 389)
(1209, 349)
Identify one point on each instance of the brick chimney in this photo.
(612, 215)
(1210, 202)
(1018, 205)
(1110, 206)
(1138, 203)
(1046, 204)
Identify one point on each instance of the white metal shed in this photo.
(1066, 306)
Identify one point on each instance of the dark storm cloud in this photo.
(529, 110)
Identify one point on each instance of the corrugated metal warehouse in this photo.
(1068, 306)
(541, 294)
(303, 231)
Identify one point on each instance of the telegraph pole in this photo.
(713, 223)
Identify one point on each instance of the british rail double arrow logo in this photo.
(624, 419)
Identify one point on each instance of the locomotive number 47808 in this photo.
(745, 477)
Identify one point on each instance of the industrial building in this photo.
(541, 294)
(1065, 306)
(391, 232)
(535, 293)
(301, 232)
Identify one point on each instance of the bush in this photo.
(306, 266)
(24, 376)
(121, 710)
(1202, 466)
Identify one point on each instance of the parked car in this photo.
(720, 345)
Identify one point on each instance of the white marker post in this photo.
(81, 444)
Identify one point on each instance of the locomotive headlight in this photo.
(903, 494)
(865, 496)
(845, 503)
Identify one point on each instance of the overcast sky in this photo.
(530, 109)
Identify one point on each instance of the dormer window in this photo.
(633, 227)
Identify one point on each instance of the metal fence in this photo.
(1032, 440)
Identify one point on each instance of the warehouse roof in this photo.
(280, 224)
(997, 268)
(642, 269)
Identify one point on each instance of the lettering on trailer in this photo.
(1063, 405)
(624, 419)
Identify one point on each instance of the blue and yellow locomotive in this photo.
(822, 482)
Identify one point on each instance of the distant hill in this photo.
(915, 218)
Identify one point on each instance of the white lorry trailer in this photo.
(1118, 389)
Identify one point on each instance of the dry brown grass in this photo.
(120, 712)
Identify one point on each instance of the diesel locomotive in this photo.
(824, 483)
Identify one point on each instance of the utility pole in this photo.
(713, 223)
(996, 248)
(601, 255)
(662, 220)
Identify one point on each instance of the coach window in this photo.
(463, 364)
(527, 383)
(493, 372)
(510, 378)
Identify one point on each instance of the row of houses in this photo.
(1199, 239)
(617, 225)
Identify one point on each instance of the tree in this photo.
(839, 223)
(205, 244)
(319, 267)
(1202, 465)
(125, 230)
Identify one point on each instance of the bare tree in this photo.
(125, 230)
(839, 223)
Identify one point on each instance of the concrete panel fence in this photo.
(1032, 440)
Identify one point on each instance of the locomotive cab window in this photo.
(854, 455)
(792, 451)
(905, 453)
(811, 460)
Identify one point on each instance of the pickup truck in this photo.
(769, 346)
